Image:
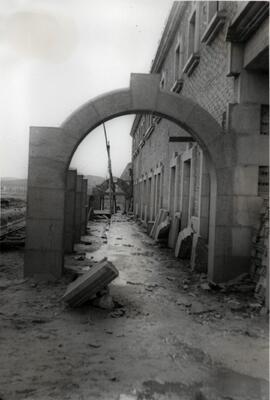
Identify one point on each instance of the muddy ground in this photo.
(168, 337)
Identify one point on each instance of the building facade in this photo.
(215, 53)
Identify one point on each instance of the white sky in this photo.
(57, 54)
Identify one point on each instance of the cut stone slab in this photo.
(162, 214)
(174, 230)
(182, 235)
(86, 286)
(163, 228)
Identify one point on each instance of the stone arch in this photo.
(51, 150)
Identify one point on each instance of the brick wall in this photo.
(208, 85)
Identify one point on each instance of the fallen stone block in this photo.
(89, 284)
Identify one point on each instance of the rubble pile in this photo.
(260, 256)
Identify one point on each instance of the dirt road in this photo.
(167, 338)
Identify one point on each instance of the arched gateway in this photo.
(51, 150)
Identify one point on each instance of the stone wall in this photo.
(208, 84)
(216, 76)
(260, 256)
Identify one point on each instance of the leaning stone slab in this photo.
(86, 286)
(163, 229)
(162, 215)
(182, 235)
(174, 230)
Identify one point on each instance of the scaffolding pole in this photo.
(112, 198)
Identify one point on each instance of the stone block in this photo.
(45, 203)
(113, 104)
(70, 206)
(175, 107)
(222, 151)
(81, 121)
(150, 225)
(182, 236)
(246, 210)
(162, 215)
(253, 150)
(257, 44)
(44, 234)
(78, 208)
(227, 267)
(194, 224)
(144, 91)
(174, 230)
(46, 173)
(86, 286)
(205, 189)
(245, 118)
(205, 128)
(199, 255)
(224, 177)
(204, 227)
(51, 143)
(84, 206)
(245, 180)
(224, 206)
(241, 241)
(205, 206)
(43, 264)
(223, 240)
(163, 228)
(71, 179)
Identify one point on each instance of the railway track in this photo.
(13, 233)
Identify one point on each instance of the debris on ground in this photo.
(104, 302)
(119, 312)
(134, 283)
(89, 284)
(198, 308)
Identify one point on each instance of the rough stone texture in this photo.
(183, 235)
(163, 214)
(174, 231)
(78, 209)
(260, 258)
(84, 205)
(70, 207)
(233, 159)
(163, 229)
(199, 257)
(86, 286)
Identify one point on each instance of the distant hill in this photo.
(13, 181)
(93, 180)
(15, 185)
